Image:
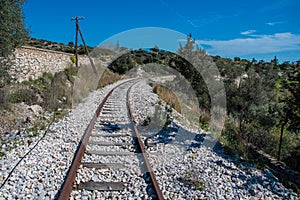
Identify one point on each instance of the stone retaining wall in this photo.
(31, 63)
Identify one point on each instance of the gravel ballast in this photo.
(41, 173)
(185, 168)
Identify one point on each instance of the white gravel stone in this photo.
(196, 173)
(50, 160)
(200, 173)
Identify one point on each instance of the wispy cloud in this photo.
(255, 44)
(184, 18)
(195, 23)
(273, 23)
(248, 32)
(190, 22)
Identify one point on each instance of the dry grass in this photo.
(167, 95)
(108, 77)
(85, 82)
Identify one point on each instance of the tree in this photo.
(291, 101)
(12, 31)
(250, 96)
(195, 70)
(293, 85)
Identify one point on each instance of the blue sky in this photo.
(245, 29)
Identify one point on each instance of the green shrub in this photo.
(167, 122)
(147, 121)
(48, 75)
(103, 59)
(230, 134)
(70, 72)
(5, 78)
(204, 121)
(73, 59)
(3, 99)
(22, 95)
(192, 179)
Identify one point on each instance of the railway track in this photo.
(111, 156)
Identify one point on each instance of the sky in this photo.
(259, 29)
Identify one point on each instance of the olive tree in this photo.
(12, 31)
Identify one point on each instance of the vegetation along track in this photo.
(111, 156)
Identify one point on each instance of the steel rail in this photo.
(67, 186)
(142, 150)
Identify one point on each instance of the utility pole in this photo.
(76, 38)
(76, 43)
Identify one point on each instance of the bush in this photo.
(25, 95)
(59, 90)
(204, 121)
(4, 77)
(3, 99)
(70, 72)
(103, 59)
(73, 59)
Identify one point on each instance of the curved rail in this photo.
(142, 150)
(66, 188)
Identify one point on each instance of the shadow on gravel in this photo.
(245, 176)
(175, 134)
(255, 180)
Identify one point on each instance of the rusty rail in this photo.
(67, 186)
(142, 150)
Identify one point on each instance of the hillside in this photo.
(260, 95)
(46, 44)
(262, 98)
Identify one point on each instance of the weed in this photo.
(191, 179)
(201, 185)
(22, 95)
(48, 75)
(4, 104)
(103, 59)
(168, 122)
(73, 59)
(192, 157)
(5, 77)
(147, 121)
(188, 173)
(204, 121)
